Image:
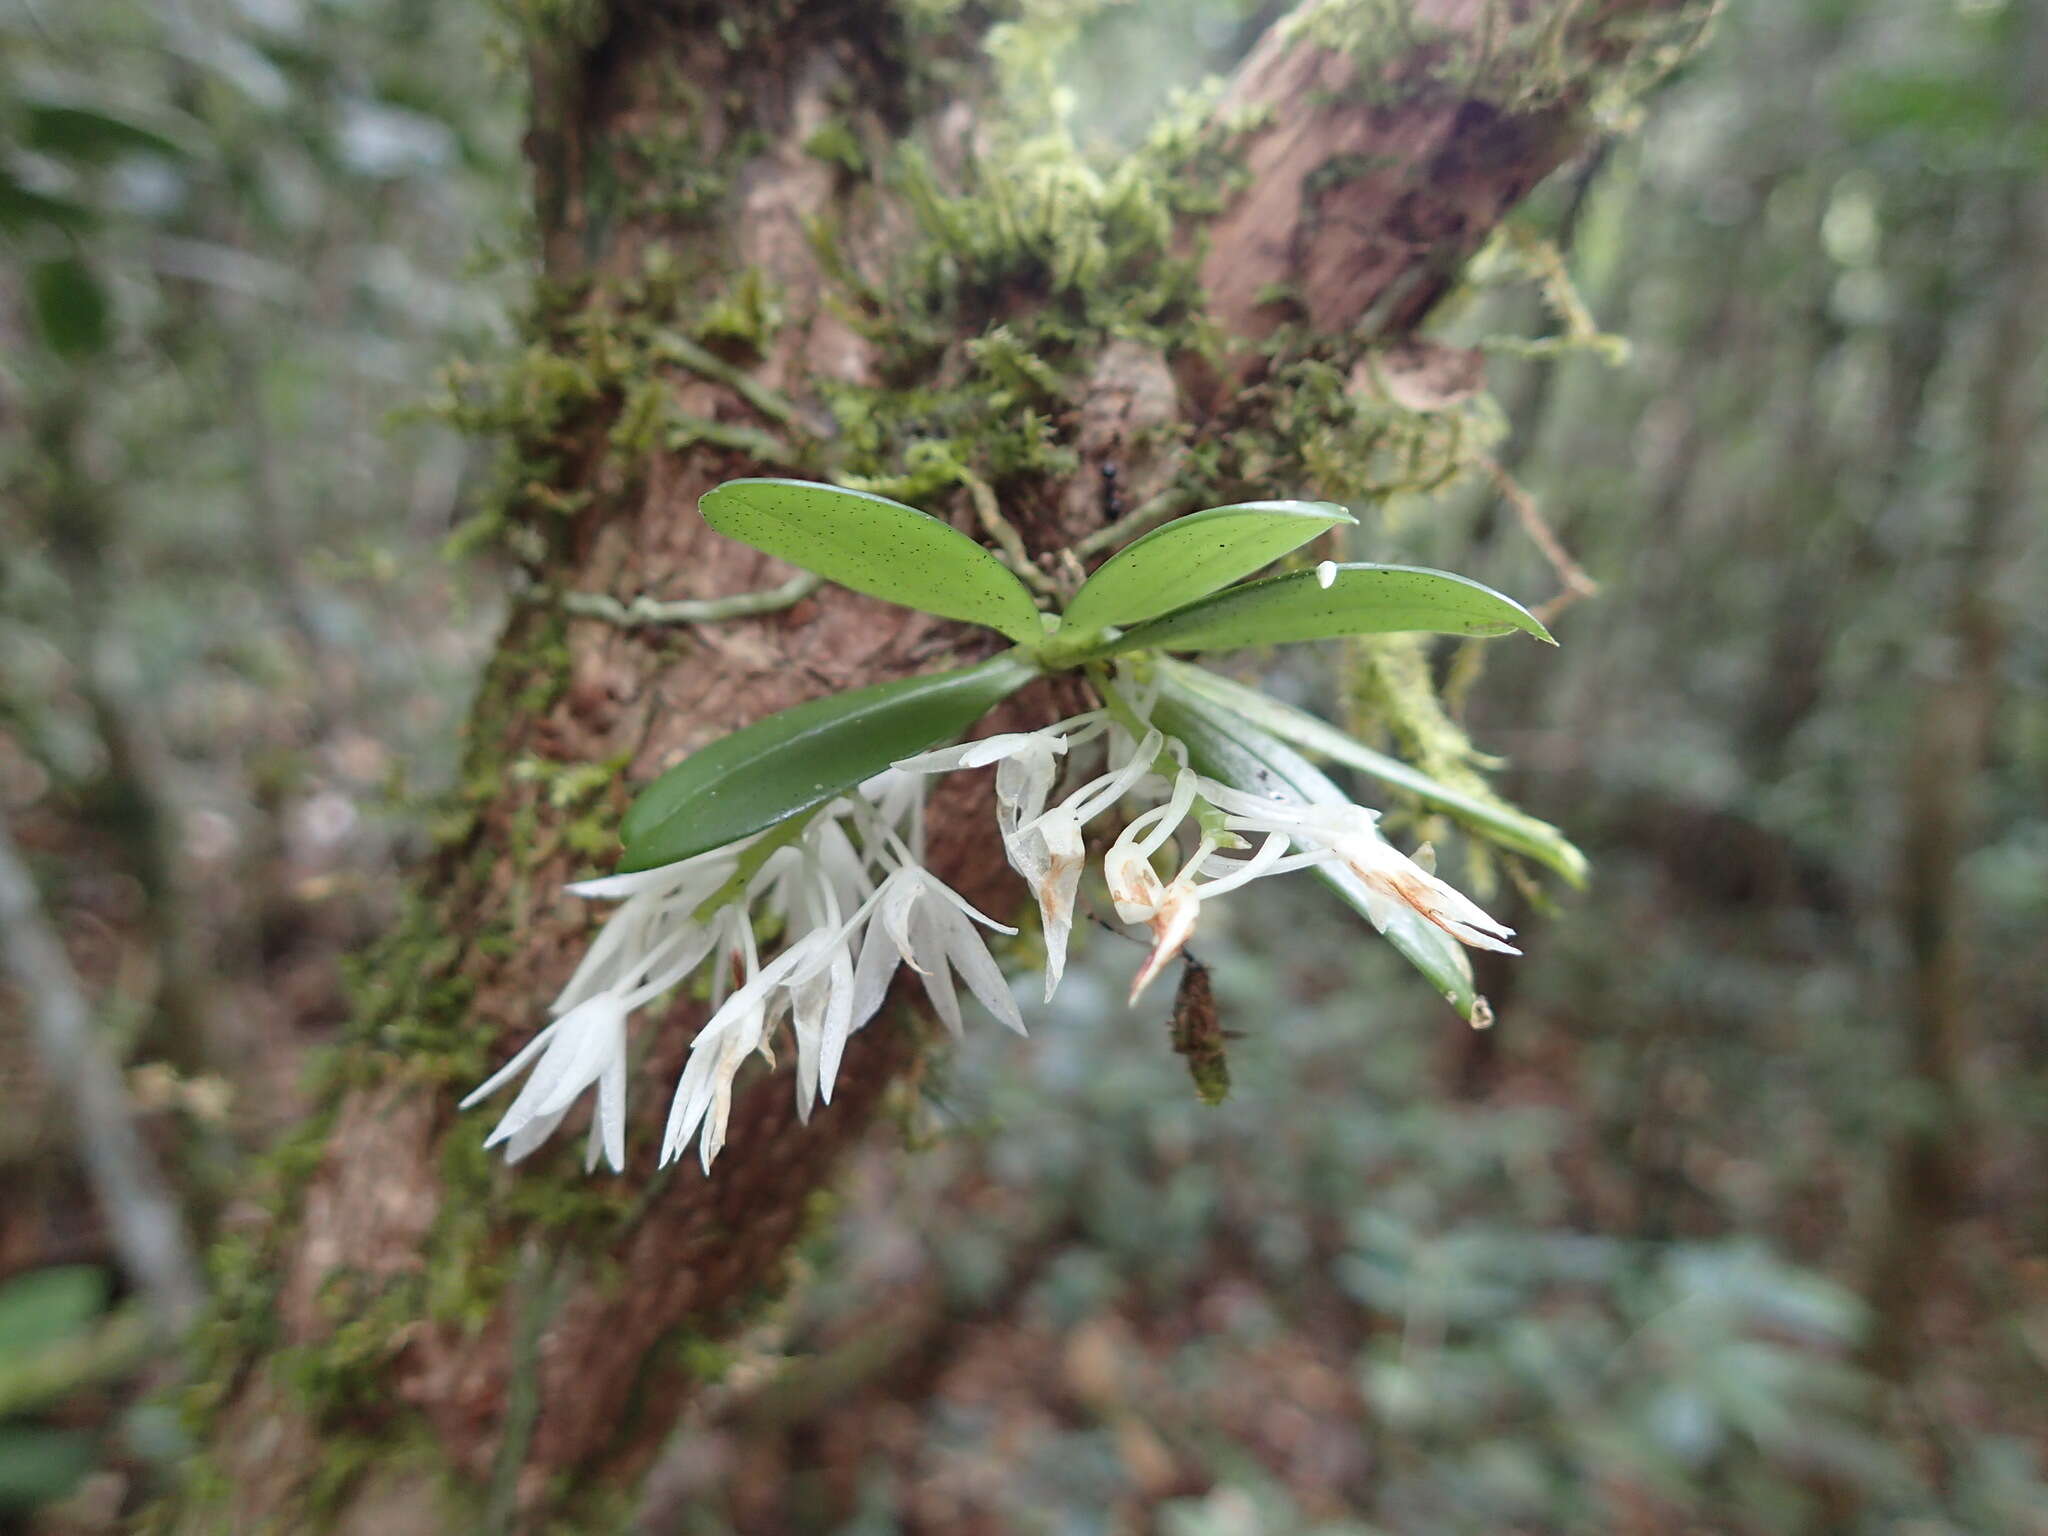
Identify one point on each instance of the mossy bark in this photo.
(774, 242)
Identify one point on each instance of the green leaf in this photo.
(38, 1465)
(70, 307)
(1228, 747)
(1360, 600)
(802, 757)
(93, 133)
(1503, 825)
(45, 1305)
(25, 208)
(1192, 556)
(877, 546)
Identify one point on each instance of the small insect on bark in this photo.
(1112, 494)
(1199, 1035)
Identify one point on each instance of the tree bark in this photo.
(413, 1340)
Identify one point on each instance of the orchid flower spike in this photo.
(849, 899)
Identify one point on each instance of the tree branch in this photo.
(143, 1218)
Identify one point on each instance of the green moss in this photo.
(744, 315)
(1518, 252)
(1518, 59)
(567, 785)
(671, 179)
(558, 24)
(837, 144)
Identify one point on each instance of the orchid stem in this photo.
(1208, 817)
(777, 837)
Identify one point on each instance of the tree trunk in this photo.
(1946, 753)
(794, 239)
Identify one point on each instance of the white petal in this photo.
(1106, 791)
(807, 1021)
(1171, 814)
(879, 958)
(1058, 927)
(1259, 812)
(1238, 872)
(977, 967)
(686, 1110)
(522, 1143)
(1051, 855)
(533, 1095)
(935, 887)
(624, 929)
(594, 1034)
(968, 754)
(929, 947)
(1134, 885)
(679, 962)
(1171, 929)
(611, 1111)
(706, 869)
(897, 914)
(704, 1092)
(1023, 784)
(839, 1024)
(511, 1069)
(893, 796)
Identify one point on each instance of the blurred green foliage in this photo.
(236, 242)
(247, 233)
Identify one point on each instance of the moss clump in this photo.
(558, 24)
(1517, 59)
(837, 144)
(742, 317)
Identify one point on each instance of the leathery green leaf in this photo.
(746, 782)
(1232, 749)
(1502, 825)
(877, 546)
(1192, 556)
(1359, 600)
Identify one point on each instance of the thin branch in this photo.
(1570, 573)
(644, 611)
(143, 1219)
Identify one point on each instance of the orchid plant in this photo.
(803, 834)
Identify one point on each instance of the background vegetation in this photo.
(1730, 1222)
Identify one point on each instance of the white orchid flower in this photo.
(850, 900)
(586, 1046)
(920, 921)
(1050, 849)
(1043, 846)
(1349, 835)
(741, 1026)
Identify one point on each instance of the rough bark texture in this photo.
(425, 1332)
